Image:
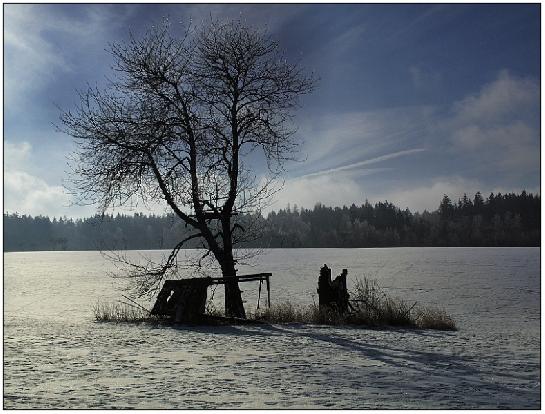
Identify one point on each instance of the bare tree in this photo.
(178, 122)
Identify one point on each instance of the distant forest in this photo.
(499, 220)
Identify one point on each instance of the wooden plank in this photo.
(241, 278)
(216, 280)
(222, 281)
(259, 293)
(268, 292)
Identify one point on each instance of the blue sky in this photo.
(414, 101)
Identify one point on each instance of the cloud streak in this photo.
(364, 163)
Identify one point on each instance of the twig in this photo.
(136, 303)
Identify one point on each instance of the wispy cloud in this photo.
(32, 60)
(364, 163)
(273, 20)
(346, 39)
(35, 59)
(334, 139)
(421, 22)
(424, 78)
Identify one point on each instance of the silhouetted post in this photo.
(259, 293)
(324, 286)
(268, 292)
(341, 291)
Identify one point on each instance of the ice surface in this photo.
(55, 356)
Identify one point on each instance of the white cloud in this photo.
(29, 194)
(428, 196)
(16, 154)
(513, 145)
(499, 126)
(333, 190)
(23, 191)
(507, 96)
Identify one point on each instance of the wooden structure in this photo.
(333, 294)
(184, 300)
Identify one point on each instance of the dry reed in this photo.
(120, 312)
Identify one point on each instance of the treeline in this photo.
(136, 232)
(499, 220)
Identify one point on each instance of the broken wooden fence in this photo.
(184, 300)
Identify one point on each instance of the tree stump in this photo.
(324, 287)
(333, 294)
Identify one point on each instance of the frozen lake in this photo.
(56, 356)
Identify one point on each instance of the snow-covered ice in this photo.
(55, 356)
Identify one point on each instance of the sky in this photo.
(413, 101)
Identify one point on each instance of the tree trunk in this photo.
(233, 298)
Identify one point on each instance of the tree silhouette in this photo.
(177, 124)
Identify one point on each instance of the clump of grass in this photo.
(284, 312)
(372, 306)
(434, 318)
(211, 309)
(120, 312)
